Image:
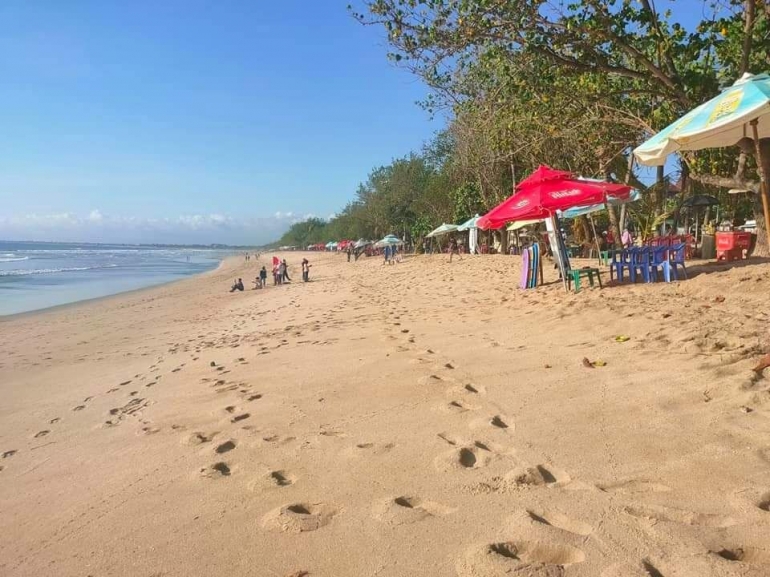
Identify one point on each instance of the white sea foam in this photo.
(27, 272)
(12, 258)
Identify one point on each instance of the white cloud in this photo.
(191, 228)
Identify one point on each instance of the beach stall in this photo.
(590, 210)
(741, 111)
(541, 196)
(471, 225)
(441, 231)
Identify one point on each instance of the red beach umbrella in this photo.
(546, 191)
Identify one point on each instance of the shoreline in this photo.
(54, 308)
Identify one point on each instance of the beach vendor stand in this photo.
(541, 196)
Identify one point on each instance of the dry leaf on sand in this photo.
(764, 362)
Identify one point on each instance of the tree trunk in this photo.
(761, 246)
(614, 225)
(660, 189)
(763, 163)
(612, 214)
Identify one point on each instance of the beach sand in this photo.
(422, 419)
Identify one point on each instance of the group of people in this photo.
(608, 238)
(280, 275)
(391, 254)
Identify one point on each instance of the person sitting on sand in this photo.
(237, 286)
(263, 277)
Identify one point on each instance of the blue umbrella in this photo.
(720, 122)
(469, 224)
(741, 111)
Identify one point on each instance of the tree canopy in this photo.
(575, 85)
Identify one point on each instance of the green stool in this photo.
(574, 276)
(604, 257)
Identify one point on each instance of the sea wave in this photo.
(12, 258)
(27, 272)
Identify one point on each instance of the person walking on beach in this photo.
(285, 271)
(350, 252)
(305, 270)
(263, 277)
(453, 249)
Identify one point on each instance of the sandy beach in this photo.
(422, 419)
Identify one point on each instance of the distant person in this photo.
(285, 271)
(237, 286)
(386, 252)
(276, 273)
(349, 251)
(453, 249)
(263, 277)
(626, 239)
(305, 270)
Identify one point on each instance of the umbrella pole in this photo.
(762, 180)
(596, 238)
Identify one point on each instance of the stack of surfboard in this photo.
(530, 267)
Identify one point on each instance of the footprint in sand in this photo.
(299, 517)
(254, 397)
(79, 408)
(499, 423)
(198, 438)
(464, 458)
(216, 471)
(520, 556)
(54, 421)
(457, 407)
(670, 515)
(11, 453)
(407, 509)
(241, 417)
(634, 486)
(744, 555)
(42, 433)
(225, 447)
(273, 479)
(556, 519)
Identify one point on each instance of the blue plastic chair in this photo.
(640, 263)
(676, 258)
(621, 260)
(660, 260)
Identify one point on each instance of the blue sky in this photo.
(192, 121)
(195, 120)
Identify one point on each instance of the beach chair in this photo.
(640, 263)
(574, 276)
(621, 261)
(677, 256)
(660, 260)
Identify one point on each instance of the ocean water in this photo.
(40, 275)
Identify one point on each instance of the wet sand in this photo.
(420, 419)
